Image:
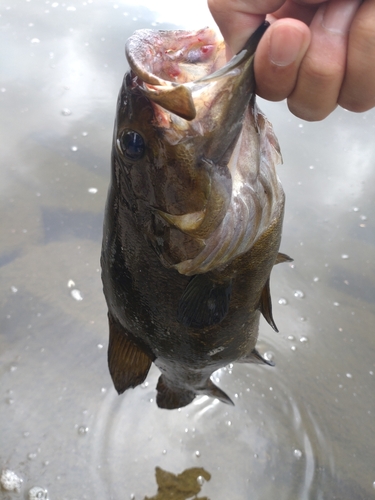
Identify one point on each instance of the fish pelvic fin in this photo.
(204, 302)
(266, 305)
(128, 364)
(171, 398)
(282, 257)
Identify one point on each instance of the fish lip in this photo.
(182, 98)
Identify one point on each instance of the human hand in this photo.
(316, 54)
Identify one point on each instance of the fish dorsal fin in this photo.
(282, 257)
(128, 364)
(204, 302)
(172, 398)
(214, 391)
(256, 357)
(266, 305)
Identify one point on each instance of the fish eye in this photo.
(132, 145)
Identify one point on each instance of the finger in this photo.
(297, 10)
(322, 70)
(278, 57)
(358, 89)
(238, 19)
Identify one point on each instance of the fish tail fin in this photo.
(128, 364)
(171, 398)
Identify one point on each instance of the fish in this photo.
(193, 218)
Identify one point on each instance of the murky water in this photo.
(302, 430)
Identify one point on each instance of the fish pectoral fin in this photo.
(214, 391)
(256, 357)
(128, 364)
(204, 302)
(266, 305)
(171, 398)
(282, 257)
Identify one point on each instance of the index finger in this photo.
(239, 18)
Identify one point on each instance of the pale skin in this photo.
(315, 54)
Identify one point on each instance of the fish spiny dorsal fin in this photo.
(171, 398)
(266, 305)
(128, 364)
(282, 257)
(214, 391)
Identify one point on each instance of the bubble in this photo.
(363, 217)
(82, 430)
(355, 209)
(85, 134)
(71, 8)
(349, 375)
(66, 112)
(71, 284)
(299, 294)
(197, 453)
(35, 40)
(76, 294)
(282, 301)
(268, 356)
(164, 452)
(92, 190)
(229, 423)
(32, 456)
(344, 256)
(293, 348)
(14, 289)
(303, 339)
(37, 493)
(74, 148)
(373, 484)
(291, 337)
(100, 346)
(336, 304)
(297, 453)
(200, 480)
(10, 481)
(315, 279)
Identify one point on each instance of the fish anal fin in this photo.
(266, 305)
(171, 398)
(282, 257)
(128, 364)
(204, 302)
(214, 391)
(256, 357)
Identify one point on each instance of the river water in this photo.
(302, 430)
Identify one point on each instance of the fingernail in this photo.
(338, 15)
(285, 45)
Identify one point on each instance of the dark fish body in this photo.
(194, 215)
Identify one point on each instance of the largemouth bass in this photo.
(193, 218)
